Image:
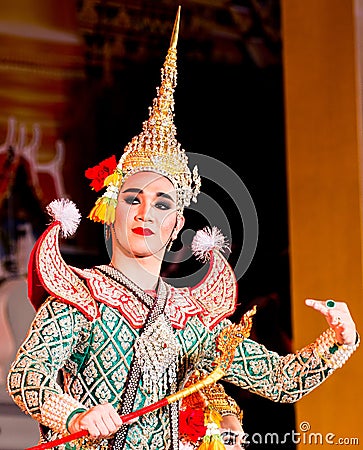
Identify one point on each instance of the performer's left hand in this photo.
(338, 317)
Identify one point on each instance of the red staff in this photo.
(226, 344)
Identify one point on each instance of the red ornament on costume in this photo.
(191, 424)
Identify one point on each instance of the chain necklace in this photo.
(155, 358)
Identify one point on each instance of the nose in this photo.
(143, 213)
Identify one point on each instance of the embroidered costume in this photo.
(93, 342)
(98, 338)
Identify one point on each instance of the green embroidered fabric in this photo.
(95, 358)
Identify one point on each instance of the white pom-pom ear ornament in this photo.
(206, 240)
(217, 291)
(65, 212)
(48, 273)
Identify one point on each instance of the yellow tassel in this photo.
(97, 212)
(205, 444)
(216, 444)
(103, 211)
(213, 416)
(212, 443)
(212, 439)
(114, 178)
(110, 213)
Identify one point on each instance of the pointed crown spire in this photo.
(156, 148)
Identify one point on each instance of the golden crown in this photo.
(155, 149)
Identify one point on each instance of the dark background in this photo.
(233, 112)
(228, 105)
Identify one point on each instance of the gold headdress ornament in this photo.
(211, 394)
(218, 400)
(211, 397)
(155, 149)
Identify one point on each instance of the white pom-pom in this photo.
(206, 240)
(66, 212)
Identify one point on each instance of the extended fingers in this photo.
(335, 312)
(328, 307)
(338, 317)
(318, 305)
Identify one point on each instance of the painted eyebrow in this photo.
(165, 195)
(140, 191)
(135, 190)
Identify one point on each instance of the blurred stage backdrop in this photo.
(76, 80)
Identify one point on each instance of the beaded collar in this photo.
(119, 277)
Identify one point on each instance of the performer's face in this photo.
(232, 433)
(146, 215)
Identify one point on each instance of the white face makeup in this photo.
(146, 215)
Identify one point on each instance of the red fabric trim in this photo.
(36, 291)
(180, 304)
(49, 274)
(212, 299)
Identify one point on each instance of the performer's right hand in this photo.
(101, 421)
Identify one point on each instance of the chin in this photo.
(148, 246)
(142, 252)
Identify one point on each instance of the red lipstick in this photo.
(142, 231)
